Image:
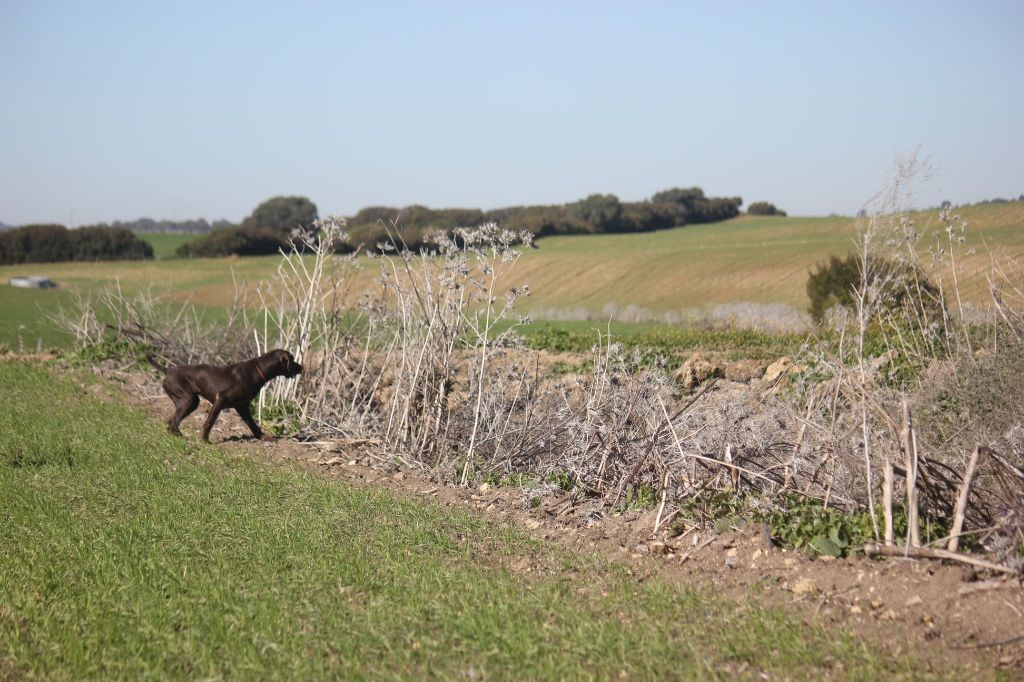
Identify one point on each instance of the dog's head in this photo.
(286, 361)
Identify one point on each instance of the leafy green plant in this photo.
(281, 417)
(563, 479)
(110, 348)
(638, 497)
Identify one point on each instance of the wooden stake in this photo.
(910, 452)
(661, 507)
(961, 501)
(887, 502)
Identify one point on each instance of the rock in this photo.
(732, 562)
(696, 371)
(532, 524)
(744, 371)
(399, 476)
(484, 487)
(855, 610)
(777, 369)
(657, 547)
(914, 601)
(804, 586)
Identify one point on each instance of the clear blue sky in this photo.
(116, 110)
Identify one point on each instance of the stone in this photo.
(697, 370)
(744, 371)
(804, 586)
(777, 369)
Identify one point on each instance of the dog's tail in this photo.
(156, 363)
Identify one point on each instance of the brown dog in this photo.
(232, 386)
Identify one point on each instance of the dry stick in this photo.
(998, 642)
(887, 504)
(791, 468)
(654, 439)
(699, 547)
(661, 507)
(1002, 460)
(873, 549)
(731, 467)
(910, 452)
(961, 501)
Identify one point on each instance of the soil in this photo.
(942, 613)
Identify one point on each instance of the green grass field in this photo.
(165, 243)
(128, 553)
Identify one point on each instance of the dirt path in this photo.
(944, 614)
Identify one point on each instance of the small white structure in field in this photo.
(32, 282)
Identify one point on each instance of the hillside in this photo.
(747, 259)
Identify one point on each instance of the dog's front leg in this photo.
(245, 412)
(218, 405)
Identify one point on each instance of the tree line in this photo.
(56, 243)
(595, 214)
(270, 225)
(198, 225)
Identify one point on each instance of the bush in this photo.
(239, 241)
(282, 215)
(835, 283)
(693, 207)
(764, 208)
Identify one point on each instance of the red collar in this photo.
(257, 363)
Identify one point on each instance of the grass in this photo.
(672, 342)
(165, 243)
(24, 318)
(129, 553)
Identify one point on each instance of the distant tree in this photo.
(644, 216)
(105, 243)
(693, 207)
(240, 241)
(764, 208)
(602, 211)
(282, 215)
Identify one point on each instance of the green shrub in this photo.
(239, 241)
(764, 208)
(835, 283)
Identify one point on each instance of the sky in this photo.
(174, 110)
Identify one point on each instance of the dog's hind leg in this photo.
(183, 407)
(218, 405)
